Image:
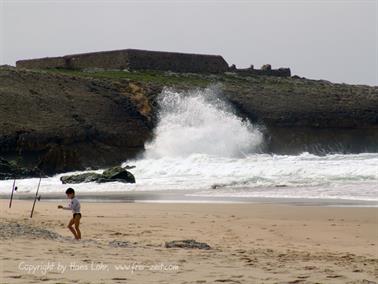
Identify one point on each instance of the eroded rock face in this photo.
(10, 170)
(61, 123)
(115, 174)
(315, 116)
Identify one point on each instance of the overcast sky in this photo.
(332, 40)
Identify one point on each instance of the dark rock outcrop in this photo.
(118, 174)
(308, 115)
(62, 123)
(10, 170)
(80, 178)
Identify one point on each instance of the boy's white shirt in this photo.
(74, 205)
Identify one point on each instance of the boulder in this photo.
(117, 174)
(86, 177)
(109, 175)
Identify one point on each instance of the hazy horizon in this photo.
(330, 40)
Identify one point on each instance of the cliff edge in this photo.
(61, 123)
(61, 120)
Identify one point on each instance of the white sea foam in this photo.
(257, 175)
(198, 122)
(202, 146)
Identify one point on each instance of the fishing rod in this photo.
(14, 188)
(36, 197)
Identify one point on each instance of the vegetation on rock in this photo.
(109, 175)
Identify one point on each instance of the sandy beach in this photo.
(250, 243)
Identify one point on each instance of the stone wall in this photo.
(117, 59)
(281, 72)
(265, 70)
(133, 59)
(42, 63)
(176, 62)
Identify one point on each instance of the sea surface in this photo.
(201, 148)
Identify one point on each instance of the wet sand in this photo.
(250, 243)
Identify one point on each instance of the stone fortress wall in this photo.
(134, 59)
(265, 70)
(42, 63)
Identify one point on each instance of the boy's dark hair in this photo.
(70, 190)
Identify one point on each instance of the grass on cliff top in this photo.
(181, 79)
(266, 84)
(157, 77)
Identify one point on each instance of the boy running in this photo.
(74, 205)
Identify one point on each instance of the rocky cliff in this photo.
(69, 120)
(61, 123)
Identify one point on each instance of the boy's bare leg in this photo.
(70, 224)
(77, 224)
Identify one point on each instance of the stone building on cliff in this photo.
(135, 59)
(132, 59)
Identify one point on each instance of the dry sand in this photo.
(251, 243)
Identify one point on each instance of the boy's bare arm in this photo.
(64, 208)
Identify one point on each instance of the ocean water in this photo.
(203, 149)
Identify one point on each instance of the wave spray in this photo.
(199, 122)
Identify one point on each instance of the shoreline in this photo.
(169, 196)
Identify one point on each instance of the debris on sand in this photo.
(187, 244)
(12, 230)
